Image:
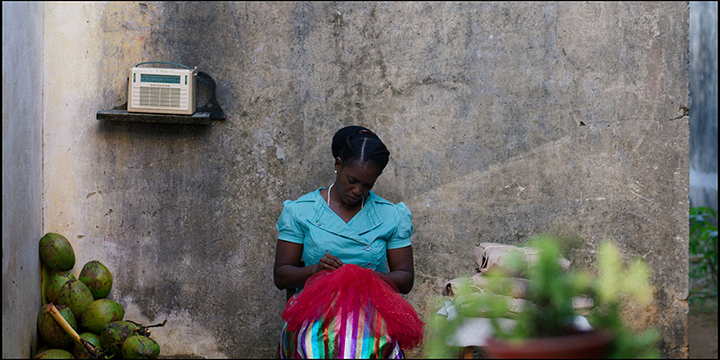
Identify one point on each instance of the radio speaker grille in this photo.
(158, 96)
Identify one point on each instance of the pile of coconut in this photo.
(73, 304)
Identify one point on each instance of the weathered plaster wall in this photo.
(503, 119)
(22, 35)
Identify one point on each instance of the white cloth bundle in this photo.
(476, 327)
(516, 287)
(490, 256)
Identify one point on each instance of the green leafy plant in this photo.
(703, 255)
(551, 290)
(615, 286)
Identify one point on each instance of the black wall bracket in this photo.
(203, 114)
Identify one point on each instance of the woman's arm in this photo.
(289, 272)
(402, 271)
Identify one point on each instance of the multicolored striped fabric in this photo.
(365, 338)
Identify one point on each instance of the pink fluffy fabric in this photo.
(334, 294)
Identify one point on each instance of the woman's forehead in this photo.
(363, 171)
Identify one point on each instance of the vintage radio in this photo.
(161, 90)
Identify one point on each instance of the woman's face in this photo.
(354, 180)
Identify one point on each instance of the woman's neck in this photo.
(345, 211)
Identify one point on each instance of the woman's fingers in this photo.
(330, 262)
(337, 260)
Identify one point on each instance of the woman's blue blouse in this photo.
(363, 241)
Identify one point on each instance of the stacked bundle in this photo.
(491, 257)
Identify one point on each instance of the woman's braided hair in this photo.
(357, 143)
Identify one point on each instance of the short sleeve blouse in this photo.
(364, 240)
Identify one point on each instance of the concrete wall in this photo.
(503, 119)
(703, 104)
(22, 102)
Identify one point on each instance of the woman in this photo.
(333, 247)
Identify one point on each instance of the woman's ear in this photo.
(338, 164)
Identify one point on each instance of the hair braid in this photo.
(357, 143)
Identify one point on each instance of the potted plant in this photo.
(545, 326)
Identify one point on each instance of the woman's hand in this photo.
(328, 262)
(289, 270)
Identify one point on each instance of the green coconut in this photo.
(49, 329)
(56, 252)
(55, 283)
(98, 279)
(80, 352)
(54, 354)
(75, 295)
(114, 334)
(100, 313)
(140, 347)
